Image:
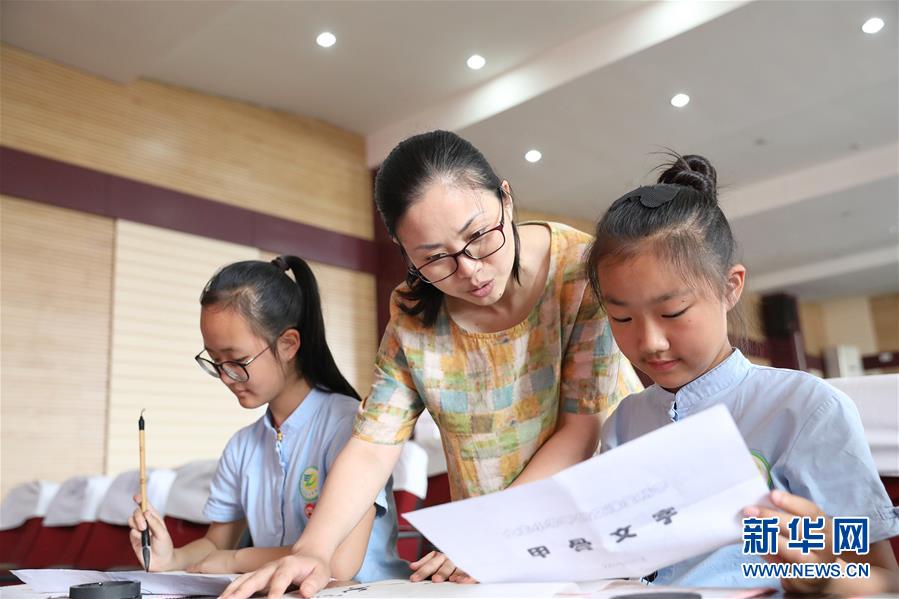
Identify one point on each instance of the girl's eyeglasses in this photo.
(236, 371)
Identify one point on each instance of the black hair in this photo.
(272, 302)
(686, 226)
(413, 165)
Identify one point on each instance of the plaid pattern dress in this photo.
(496, 396)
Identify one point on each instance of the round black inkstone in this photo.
(119, 589)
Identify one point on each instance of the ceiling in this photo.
(793, 103)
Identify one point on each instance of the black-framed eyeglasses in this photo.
(444, 266)
(236, 371)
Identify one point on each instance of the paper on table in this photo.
(605, 589)
(667, 496)
(617, 589)
(151, 583)
(399, 589)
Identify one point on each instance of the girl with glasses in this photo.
(264, 337)
(495, 333)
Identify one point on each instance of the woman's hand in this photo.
(439, 568)
(162, 552)
(311, 574)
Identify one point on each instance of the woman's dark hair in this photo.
(271, 302)
(410, 168)
(678, 219)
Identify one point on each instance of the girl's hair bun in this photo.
(693, 171)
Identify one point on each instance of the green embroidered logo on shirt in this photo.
(764, 467)
(309, 483)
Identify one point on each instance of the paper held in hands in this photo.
(670, 495)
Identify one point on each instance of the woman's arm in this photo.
(594, 376)
(346, 563)
(359, 473)
(575, 440)
(349, 556)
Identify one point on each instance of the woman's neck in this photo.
(288, 400)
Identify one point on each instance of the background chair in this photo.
(108, 545)
(184, 509)
(67, 523)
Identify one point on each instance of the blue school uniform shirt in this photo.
(805, 436)
(274, 483)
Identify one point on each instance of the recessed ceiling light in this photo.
(326, 39)
(533, 156)
(475, 62)
(680, 100)
(873, 25)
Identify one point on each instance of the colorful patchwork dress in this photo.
(496, 397)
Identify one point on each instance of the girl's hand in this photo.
(223, 561)
(162, 551)
(309, 573)
(788, 506)
(439, 568)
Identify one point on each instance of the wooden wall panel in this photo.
(159, 275)
(115, 305)
(811, 321)
(289, 166)
(752, 316)
(885, 312)
(746, 330)
(348, 304)
(56, 300)
(848, 321)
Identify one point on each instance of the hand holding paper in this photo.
(670, 495)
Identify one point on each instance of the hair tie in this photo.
(281, 263)
(653, 196)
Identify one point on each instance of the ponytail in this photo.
(313, 345)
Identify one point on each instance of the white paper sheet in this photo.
(611, 507)
(628, 588)
(151, 583)
(600, 589)
(608, 589)
(401, 589)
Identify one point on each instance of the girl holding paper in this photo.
(494, 332)
(664, 267)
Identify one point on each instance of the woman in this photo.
(495, 332)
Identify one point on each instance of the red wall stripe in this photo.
(32, 177)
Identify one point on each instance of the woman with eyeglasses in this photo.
(264, 337)
(495, 333)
